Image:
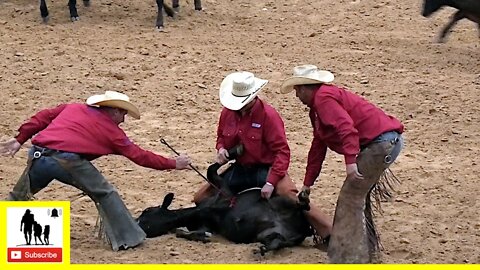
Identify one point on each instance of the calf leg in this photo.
(72, 5)
(455, 18)
(272, 240)
(321, 222)
(44, 11)
(197, 235)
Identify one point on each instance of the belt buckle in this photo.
(37, 154)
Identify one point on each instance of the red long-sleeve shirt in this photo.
(343, 121)
(262, 133)
(85, 130)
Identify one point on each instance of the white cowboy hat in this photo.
(239, 88)
(306, 74)
(115, 100)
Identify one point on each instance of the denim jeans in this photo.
(72, 169)
(240, 178)
(392, 136)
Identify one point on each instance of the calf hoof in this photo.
(74, 19)
(159, 28)
(199, 236)
(304, 200)
(262, 250)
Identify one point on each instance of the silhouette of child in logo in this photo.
(37, 232)
(46, 233)
(27, 224)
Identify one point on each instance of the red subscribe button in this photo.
(19, 255)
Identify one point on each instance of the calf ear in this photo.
(167, 201)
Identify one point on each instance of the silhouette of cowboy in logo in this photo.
(27, 224)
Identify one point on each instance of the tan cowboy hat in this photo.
(306, 74)
(239, 88)
(115, 100)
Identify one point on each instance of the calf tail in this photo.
(167, 200)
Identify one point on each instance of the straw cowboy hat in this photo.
(239, 88)
(115, 100)
(306, 74)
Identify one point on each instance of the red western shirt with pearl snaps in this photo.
(343, 121)
(262, 133)
(85, 130)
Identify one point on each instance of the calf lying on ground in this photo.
(469, 9)
(244, 218)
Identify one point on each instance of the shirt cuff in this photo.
(171, 164)
(21, 138)
(273, 179)
(308, 182)
(350, 159)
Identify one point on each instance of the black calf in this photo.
(469, 9)
(246, 218)
(276, 223)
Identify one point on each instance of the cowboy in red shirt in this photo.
(252, 122)
(370, 141)
(65, 140)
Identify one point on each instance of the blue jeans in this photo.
(70, 168)
(46, 168)
(395, 137)
(239, 178)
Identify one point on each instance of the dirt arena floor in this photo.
(382, 49)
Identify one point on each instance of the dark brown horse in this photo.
(467, 9)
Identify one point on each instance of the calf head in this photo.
(159, 220)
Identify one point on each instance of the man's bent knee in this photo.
(204, 192)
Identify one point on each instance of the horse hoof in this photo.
(74, 19)
(45, 19)
(86, 3)
(159, 28)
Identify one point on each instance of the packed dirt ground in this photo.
(383, 50)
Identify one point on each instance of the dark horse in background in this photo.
(467, 9)
(72, 5)
(245, 217)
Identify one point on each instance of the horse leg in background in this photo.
(159, 23)
(161, 5)
(44, 11)
(175, 5)
(72, 5)
(455, 18)
(198, 4)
